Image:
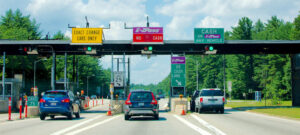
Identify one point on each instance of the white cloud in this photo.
(210, 22)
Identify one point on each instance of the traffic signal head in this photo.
(89, 48)
(209, 48)
(148, 48)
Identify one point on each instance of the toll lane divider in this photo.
(76, 125)
(204, 123)
(92, 126)
(192, 126)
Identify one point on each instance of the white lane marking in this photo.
(18, 121)
(204, 123)
(92, 126)
(75, 126)
(198, 129)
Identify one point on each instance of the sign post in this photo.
(178, 78)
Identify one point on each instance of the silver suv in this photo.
(210, 99)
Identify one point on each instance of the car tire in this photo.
(126, 117)
(77, 115)
(222, 110)
(196, 109)
(42, 116)
(70, 115)
(156, 116)
(200, 110)
(52, 116)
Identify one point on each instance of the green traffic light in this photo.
(89, 48)
(211, 48)
(150, 48)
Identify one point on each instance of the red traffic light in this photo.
(25, 49)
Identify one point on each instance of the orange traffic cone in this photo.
(109, 111)
(183, 112)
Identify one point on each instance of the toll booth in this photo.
(12, 89)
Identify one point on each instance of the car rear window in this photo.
(211, 93)
(141, 96)
(55, 94)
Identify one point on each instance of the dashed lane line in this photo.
(92, 126)
(196, 128)
(204, 123)
(76, 125)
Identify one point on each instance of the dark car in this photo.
(59, 102)
(141, 103)
(192, 102)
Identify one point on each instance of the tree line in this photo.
(268, 73)
(16, 26)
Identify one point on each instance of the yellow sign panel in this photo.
(87, 35)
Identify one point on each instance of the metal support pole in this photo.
(124, 70)
(118, 69)
(3, 75)
(197, 76)
(87, 86)
(128, 81)
(34, 72)
(77, 73)
(65, 70)
(112, 73)
(224, 76)
(53, 70)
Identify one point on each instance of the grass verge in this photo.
(293, 113)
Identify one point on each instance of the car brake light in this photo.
(128, 102)
(223, 100)
(42, 100)
(201, 100)
(154, 101)
(65, 100)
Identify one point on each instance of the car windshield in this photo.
(55, 94)
(211, 93)
(141, 96)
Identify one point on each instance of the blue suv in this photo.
(59, 102)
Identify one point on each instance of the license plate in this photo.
(212, 99)
(140, 104)
(53, 104)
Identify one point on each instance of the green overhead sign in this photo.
(209, 35)
(178, 72)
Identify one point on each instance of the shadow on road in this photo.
(94, 111)
(146, 118)
(62, 118)
(258, 107)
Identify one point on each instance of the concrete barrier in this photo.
(33, 111)
(3, 105)
(177, 105)
(117, 106)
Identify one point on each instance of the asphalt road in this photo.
(95, 121)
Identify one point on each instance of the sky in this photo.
(178, 17)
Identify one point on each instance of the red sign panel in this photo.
(148, 35)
